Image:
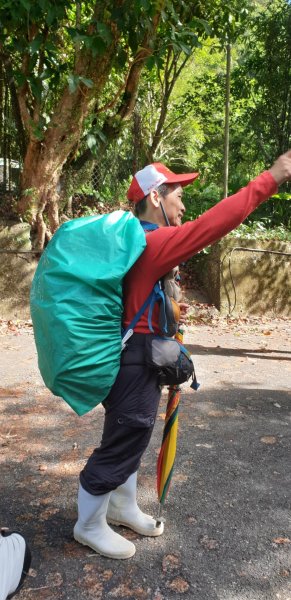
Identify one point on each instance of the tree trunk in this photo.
(226, 126)
(45, 158)
(39, 183)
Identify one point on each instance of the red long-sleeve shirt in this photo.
(169, 246)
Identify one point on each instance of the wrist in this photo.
(278, 177)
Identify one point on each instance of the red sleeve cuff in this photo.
(270, 181)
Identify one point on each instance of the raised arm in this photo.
(169, 246)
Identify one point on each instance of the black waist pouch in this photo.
(170, 359)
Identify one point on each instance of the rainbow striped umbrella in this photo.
(167, 453)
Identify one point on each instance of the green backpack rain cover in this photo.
(76, 305)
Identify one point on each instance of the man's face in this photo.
(174, 206)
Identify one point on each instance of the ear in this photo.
(154, 198)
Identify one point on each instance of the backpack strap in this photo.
(147, 226)
(156, 294)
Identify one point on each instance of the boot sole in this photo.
(120, 556)
(155, 532)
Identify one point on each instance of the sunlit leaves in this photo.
(91, 141)
(263, 76)
(227, 18)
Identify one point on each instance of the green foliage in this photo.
(262, 80)
(199, 197)
(52, 47)
(276, 212)
(228, 19)
(259, 231)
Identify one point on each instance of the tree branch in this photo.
(172, 72)
(112, 125)
(22, 95)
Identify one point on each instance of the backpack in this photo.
(76, 305)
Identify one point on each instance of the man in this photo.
(107, 491)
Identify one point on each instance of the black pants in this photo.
(130, 413)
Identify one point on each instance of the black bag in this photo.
(170, 359)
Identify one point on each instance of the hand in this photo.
(183, 312)
(281, 169)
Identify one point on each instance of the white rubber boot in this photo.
(93, 530)
(14, 563)
(123, 510)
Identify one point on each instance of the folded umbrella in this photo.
(167, 454)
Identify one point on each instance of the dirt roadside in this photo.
(228, 518)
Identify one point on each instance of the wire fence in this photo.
(99, 186)
(10, 154)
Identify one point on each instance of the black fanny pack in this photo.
(170, 359)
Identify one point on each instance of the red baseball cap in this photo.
(152, 176)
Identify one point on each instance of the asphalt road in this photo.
(227, 517)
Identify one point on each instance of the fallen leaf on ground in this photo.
(92, 587)
(106, 575)
(285, 573)
(32, 573)
(216, 413)
(208, 543)
(268, 439)
(72, 550)
(180, 477)
(49, 512)
(178, 585)
(124, 590)
(192, 520)
(129, 534)
(54, 579)
(170, 562)
(281, 540)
